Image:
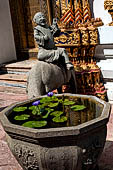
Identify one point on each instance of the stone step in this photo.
(20, 67)
(11, 89)
(14, 77)
(12, 83)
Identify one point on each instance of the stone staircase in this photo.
(13, 77)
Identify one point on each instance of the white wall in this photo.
(7, 45)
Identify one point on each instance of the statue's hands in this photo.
(46, 37)
(54, 21)
(55, 29)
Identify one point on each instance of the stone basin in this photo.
(64, 148)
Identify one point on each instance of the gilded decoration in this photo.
(108, 5)
(79, 35)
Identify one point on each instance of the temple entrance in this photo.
(22, 13)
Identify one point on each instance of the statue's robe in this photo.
(47, 50)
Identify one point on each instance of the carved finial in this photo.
(108, 5)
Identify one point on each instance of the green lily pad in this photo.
(60, 119)
(46, 115)
(56, 113)
(53, 104)
(68, 103)
(48, 112)
(54, 98)
(44, 104)
(60, 101)
(49, 109)
(22, 117)
(32, 107)
(35, 124)
(19, 109)
(46, 100)
(37, 110)
(78, 107)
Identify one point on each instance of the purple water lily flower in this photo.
(36, 103)
(50, 94)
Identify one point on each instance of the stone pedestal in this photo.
(104, 56)
(7, 46)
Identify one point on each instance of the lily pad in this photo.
(44, 104)
(32, 107)
(19, 109)
(46, 100)
(22, 117)
(49, 110)
(37, 110)
(56, 113)
(46, 115)
(60, 119)
(78, 107)
(35, 124)
(68, 102)
(53, 104)
(54, 98)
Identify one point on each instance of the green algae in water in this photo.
(73, 113)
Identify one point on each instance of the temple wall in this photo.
(7, 45)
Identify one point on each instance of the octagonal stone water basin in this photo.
(76, 147)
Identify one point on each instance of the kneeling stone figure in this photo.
(44, 36)
(53, 68)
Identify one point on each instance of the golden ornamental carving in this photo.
(93, 35)
(108, 5)
(69, 37)
(79, 35)
(84, 36)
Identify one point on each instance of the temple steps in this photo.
(15, 74)
(20, 67)
(13, 81)
(14, 77)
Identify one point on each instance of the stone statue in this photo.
(44, 36)
(53, 68)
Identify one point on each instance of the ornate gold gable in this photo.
(79, 35)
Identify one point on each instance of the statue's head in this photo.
(39, 19)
